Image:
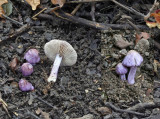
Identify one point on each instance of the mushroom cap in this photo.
(66, 51)
(133, 58)
(120, 69)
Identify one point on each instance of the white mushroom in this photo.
(62, 53)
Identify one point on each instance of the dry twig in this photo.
(122, 111)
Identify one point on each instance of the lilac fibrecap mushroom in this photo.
(24, 85)
(62, 53)
(132, 60)
(32, 56)
(26, 69)
(121, 70)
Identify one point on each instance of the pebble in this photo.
(115, 56)
(105, 63)
(142, 45)
(146, 54)
(48, 36)
(104, 110)
(123, 52)
(155, 111)
(148, 67)
(88, 116)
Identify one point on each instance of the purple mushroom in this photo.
(132, 60)
(26, 69)
(32, 56)
(24, 85)
(121, 70)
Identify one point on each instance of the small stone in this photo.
(109, 116)
(134, 118)
(88, 116)
(142, 45)
(104, 110)
(156, 111)
(114, 55)
(146, 54)
(148, 67)
(48, 36)
(105, 64)
(123, 52)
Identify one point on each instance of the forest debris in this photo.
(156, 16)
(13, 64)
(1, 9)
(8, 7)
(123, 110)
(141, 106)
(144, 35)
(88, 116)
(44, 114)
(33, 3)
(120, 42)
(104, 110)
(142, 45)
(59, 2)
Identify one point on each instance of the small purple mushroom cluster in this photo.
(131, 60)
(32, 57)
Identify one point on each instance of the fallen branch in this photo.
(12, 20)
(123, 111)
(141, 106)
(17, 33)
(96, 25)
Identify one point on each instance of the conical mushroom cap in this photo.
(133, 58)
(54, 47)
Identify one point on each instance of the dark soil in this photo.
(82, 88)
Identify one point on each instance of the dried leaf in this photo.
(7, 7)
(1, 9)
(33, 3)
(44, 114)
(13, 64)
(59, 2)
(156, 16)
(142, 35)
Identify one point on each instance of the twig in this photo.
(93, 11)
(121, 110)
(155, 4)
(12, 20)
(128, 8)
(141, 106)
(76, 9)
(45, 16)
(54, 107)
(92, 24)
(51, 9)
(83, 1)
(17, 32)
(34, 17)
(31, 114)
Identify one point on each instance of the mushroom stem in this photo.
(132, 74)
(123, 77)
(54, 71)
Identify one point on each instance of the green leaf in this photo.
(7, 7)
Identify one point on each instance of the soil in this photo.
(81, 90)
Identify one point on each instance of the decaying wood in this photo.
(17, 33)
(122, 111)
(141, 106)
(92, 24)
